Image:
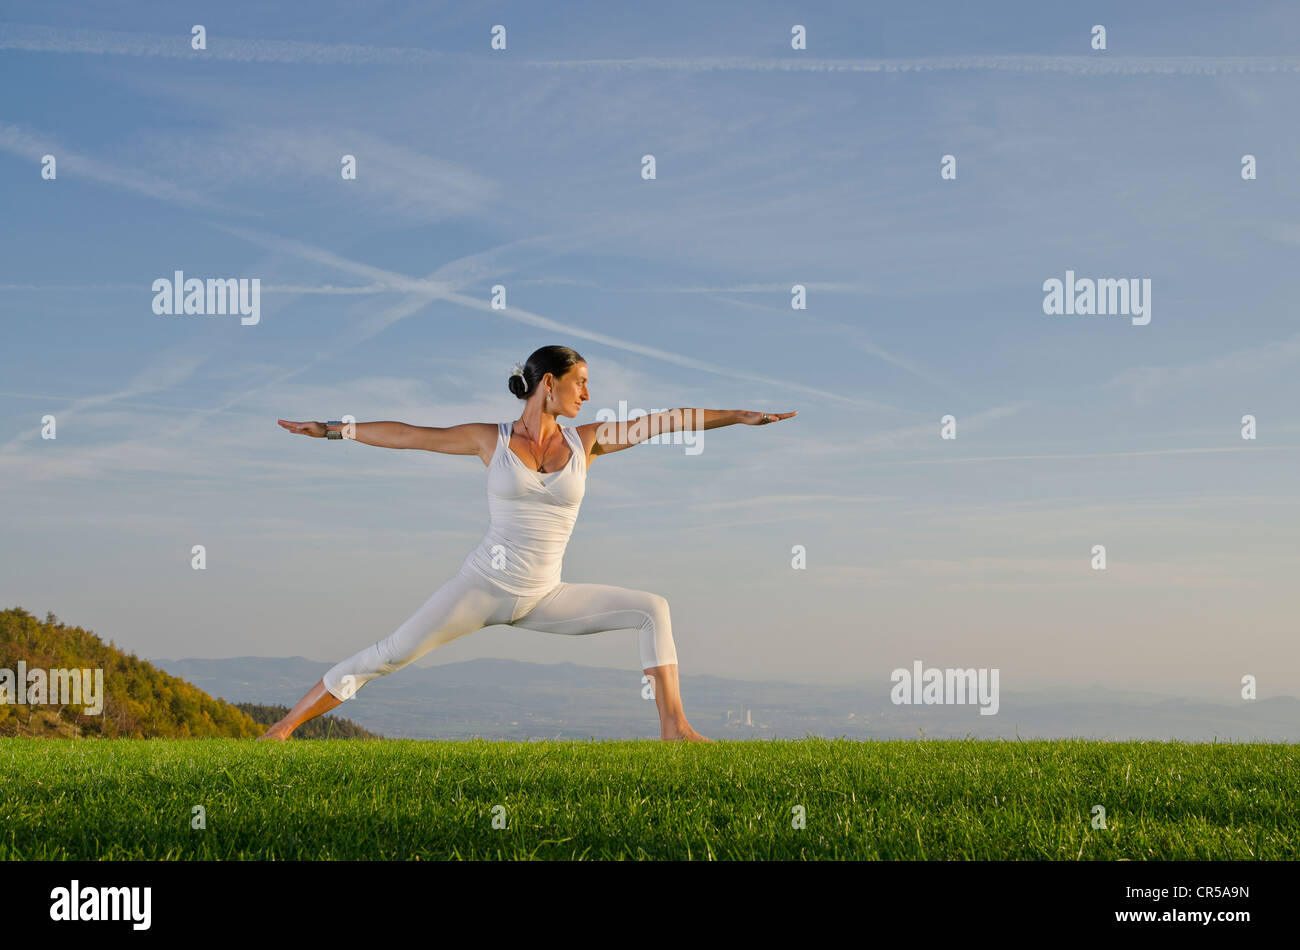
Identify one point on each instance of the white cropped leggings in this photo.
(469, 602)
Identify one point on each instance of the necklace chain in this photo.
(532, 456)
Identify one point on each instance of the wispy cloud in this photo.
(856, 336)
(830, 286)
(1248, 362)
(859, 339)
(928, 433)
(33, 145)
(169, 369)
(789, 499)
(305, 160)
(1003, 573)
(73, 288)
(1086, 455)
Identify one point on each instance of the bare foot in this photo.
(275, 732)
(686, 734)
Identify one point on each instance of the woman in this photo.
(537, 475)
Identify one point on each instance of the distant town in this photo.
(742, 717)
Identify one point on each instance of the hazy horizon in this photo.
(504, 698)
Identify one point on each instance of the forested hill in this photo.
(139, 700)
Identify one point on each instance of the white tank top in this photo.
(532, 517)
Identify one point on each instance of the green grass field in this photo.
(124, 799)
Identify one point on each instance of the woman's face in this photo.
(570, 391)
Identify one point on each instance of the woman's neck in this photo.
(539, 425)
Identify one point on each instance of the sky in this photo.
(774, 168)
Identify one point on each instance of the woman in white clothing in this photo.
(537, 474)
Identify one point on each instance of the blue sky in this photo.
(775, 167)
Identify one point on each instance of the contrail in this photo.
(44, 39)
(1094, 65)
(443, 291)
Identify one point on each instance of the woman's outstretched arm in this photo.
(466, 439)
(615, 436)
(716, 418)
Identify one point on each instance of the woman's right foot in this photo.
(276, 732)
(684, 734)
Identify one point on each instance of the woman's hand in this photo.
(314, 429)
(757, 418)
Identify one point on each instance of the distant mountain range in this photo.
(509, 699)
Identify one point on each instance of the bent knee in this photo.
(656, 608)
(392, 664)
